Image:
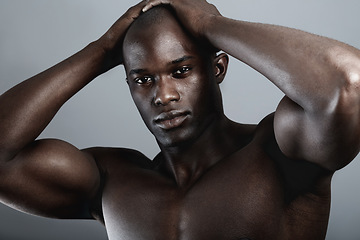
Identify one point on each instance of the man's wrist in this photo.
(108, 52)
(209, 26)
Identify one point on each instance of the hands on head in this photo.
(194, 15)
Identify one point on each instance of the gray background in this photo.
(36, 34)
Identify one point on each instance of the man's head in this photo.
(173, 78)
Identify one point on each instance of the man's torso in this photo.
(255, 193)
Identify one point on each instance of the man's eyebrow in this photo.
(179, 60)
(136, 71)
(182, 59)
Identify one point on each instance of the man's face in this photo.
(171, 83)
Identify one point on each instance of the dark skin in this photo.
(214, 178)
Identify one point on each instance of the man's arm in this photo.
(319, 119)
(52, 177)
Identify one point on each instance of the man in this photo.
(214, 179)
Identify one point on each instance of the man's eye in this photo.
(143, 80)
(181, 71)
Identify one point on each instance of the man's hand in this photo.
(195, 15)
(112, 40)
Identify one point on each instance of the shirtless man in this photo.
(214, 178)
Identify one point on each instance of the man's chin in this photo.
(166, 144)
(173, 141)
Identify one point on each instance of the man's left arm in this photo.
(319, 119)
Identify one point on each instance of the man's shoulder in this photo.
(263, 131)
(299, 176)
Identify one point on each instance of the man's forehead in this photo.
(159, 42)
(136, 63)
(157, 46)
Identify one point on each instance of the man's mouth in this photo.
(171, 119)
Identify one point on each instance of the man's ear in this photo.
(221, 62)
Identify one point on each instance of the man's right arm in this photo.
(52, 177)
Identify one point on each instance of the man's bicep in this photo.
(330, 141)
(50, 178)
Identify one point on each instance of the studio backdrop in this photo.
(37, 34)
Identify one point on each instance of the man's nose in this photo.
(165, 92)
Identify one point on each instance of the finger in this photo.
(152, 3)
(136, 9)
(133, 12)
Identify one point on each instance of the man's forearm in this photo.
(26, 109)
(309, 69)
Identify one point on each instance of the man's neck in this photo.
(187, 163)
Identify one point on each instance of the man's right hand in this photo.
(112, 40)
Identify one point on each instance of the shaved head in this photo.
(154, 16)
(155, 21)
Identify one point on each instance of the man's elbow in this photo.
(346, 65)
(352, 81)
(348, 100)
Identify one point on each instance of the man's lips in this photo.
(171, 119)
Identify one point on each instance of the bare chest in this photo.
(242, 197)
